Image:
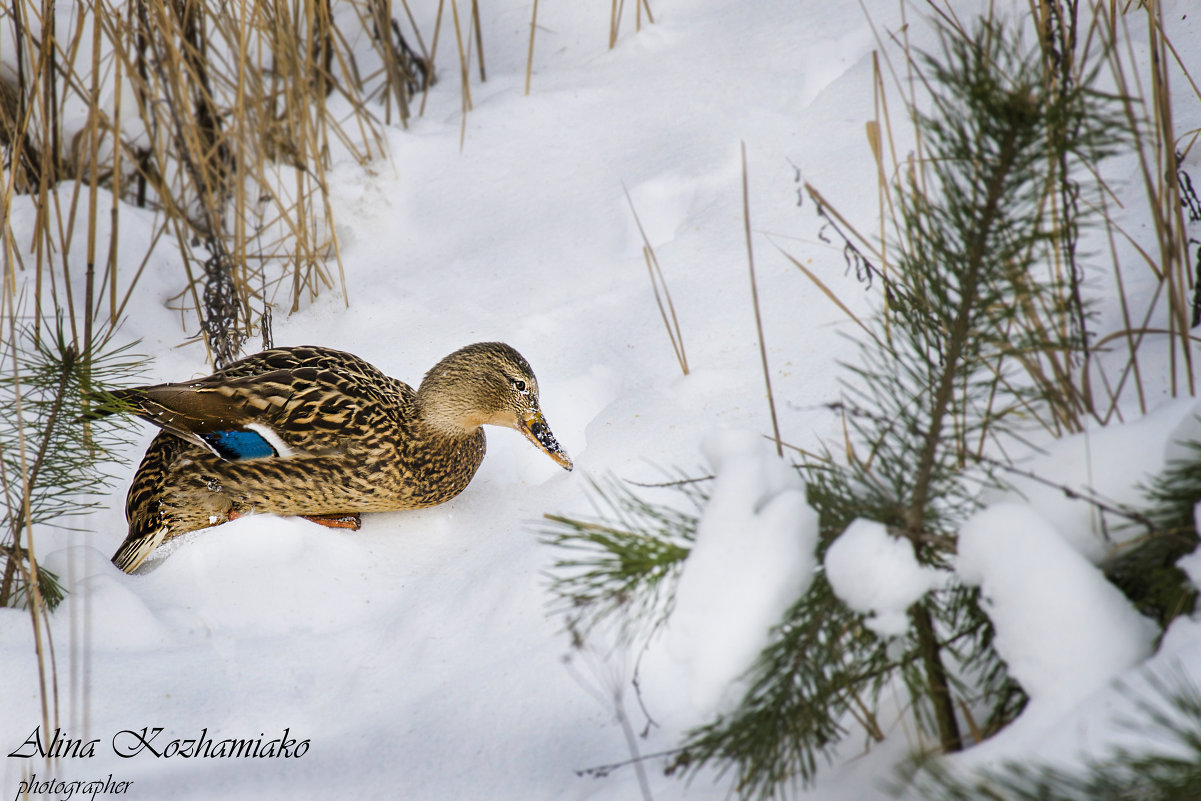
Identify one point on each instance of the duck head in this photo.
(488, 383)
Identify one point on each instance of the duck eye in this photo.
(519, 385)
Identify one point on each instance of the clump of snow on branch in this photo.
(753, 557)
(1062, 629)
(878, 575)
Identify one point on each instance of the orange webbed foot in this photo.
(350, 521)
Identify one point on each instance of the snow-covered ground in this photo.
(416, 658)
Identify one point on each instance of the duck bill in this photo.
(538, 432)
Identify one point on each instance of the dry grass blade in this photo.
(672, 325)
(829, 293)
(464, 63)
(750, 258)
(668, 313)
(1167, 41)
(479, 37)
(617, 10)
(876, 129)
(1132, 362)
(529, 60)
(1155, 153)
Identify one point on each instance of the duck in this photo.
(318, 433)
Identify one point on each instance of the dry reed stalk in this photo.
(397, 73)
(464, 60)
(110, 269)
(1059, 40)
(433, 51)
(909, 84)
(1127, 334)
(269, 117)
(427, 57)
(306, 146)
(93, 169)
(1169, 217)
(879, 128)
(830, 294)
(238, 121)
(464, 74)
(529, 60)
(617, 10)
(479, 36)
(394, 72)
(1132, 361)
(750, 258)
(1155, 154)
(670, 322)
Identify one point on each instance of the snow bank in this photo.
(1062, 629)
(260, 575)
(878, 575)
(752, 558)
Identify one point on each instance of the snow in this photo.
(417, 655)
(1147, 444)
(1191, 563)
(1062, 629)
(878, 575)
(752, 558)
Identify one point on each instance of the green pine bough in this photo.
(53, 461)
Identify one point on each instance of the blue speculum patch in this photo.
(234, 445)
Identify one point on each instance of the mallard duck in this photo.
(322, 434)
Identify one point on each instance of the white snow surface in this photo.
(416, 656)
(878, 575)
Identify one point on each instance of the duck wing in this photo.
(277, 404)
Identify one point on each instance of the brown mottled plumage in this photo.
(319, 433)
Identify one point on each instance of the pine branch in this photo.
(30, 478)
(66, 464)
(624, 566)
(1144, 567)
(961, 329)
